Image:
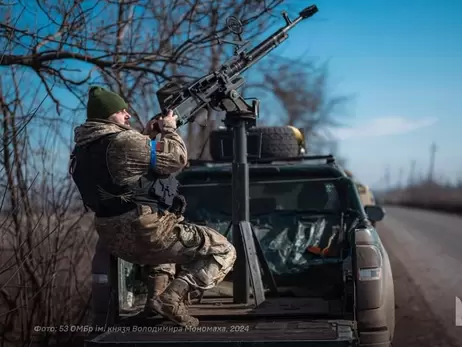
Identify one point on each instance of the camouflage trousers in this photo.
(163, 240)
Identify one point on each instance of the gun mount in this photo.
(218, 90)
(239, 120)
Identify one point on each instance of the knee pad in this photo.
(204, 273)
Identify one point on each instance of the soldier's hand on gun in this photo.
(160, 124)
(152, 129)
(168, 122)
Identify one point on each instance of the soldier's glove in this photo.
(178, 205)
(152, 128)
(167, 123)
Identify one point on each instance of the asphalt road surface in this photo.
(425, 250)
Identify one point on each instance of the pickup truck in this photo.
(326, 274)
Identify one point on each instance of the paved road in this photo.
(425, 250)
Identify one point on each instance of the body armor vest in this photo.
(107, 199)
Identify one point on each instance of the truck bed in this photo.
(279, 321)
(255, 333)
(220, 307)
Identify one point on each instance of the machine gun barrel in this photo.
(269, 44)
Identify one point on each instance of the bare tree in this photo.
(50, 52)
(301, 97)
(132, 46)
(45, 244)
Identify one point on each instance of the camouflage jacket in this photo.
(129, 153)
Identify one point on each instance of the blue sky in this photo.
(403, 62)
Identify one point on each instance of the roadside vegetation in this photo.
(427, 195)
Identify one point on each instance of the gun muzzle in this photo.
(309, 11)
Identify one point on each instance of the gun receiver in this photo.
(218, 89)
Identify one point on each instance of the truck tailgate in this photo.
(238, 333)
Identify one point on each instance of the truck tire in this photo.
(275, 142)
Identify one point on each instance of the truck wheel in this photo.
(275, 142)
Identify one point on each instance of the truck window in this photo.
(285, 215)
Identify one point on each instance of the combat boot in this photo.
(156, 285)
(171, 304)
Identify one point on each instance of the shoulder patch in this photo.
(160, 147)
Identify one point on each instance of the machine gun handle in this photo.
(160, 115)
(155, 126)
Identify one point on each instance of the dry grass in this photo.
(431, 196)
(45, 275)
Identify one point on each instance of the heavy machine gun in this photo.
(218, 89)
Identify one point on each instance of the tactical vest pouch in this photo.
(164, 191)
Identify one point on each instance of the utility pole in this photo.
(432, 162)
(400, 178)
(412, 173)
(387, 177)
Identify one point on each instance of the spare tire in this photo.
(276, 142)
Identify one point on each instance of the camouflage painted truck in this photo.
(325, 277)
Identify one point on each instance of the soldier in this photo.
(122, 176)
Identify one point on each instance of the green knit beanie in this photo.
(102, 103)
